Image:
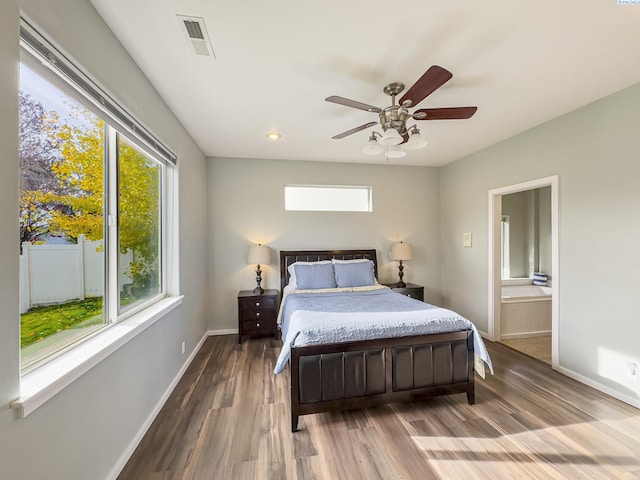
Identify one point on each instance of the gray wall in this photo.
(83, 431)
(595, 152)
(246, 205)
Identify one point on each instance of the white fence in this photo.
(59, 273)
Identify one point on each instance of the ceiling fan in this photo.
(393, 119)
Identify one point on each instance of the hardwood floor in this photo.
(228, 418)
(536, 347)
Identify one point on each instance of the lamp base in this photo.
(400, 283)
(258, 290)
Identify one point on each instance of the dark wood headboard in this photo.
(287, 257)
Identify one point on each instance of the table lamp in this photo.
(257, 255)
(401, 251)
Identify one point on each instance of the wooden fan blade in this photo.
(451, 113)
(354, 130)
(428, 83)
(352, 103)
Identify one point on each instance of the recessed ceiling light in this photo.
(274, 136)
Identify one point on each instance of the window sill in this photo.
(43, 383)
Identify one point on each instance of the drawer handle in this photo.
(257, 314)
(257, 304)
(257, 324)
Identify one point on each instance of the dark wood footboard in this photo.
(343, 376)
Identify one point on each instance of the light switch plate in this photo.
(466, 239)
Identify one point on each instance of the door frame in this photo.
(495, 267)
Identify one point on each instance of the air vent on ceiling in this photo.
(196, 33)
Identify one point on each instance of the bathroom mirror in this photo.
(526, 233)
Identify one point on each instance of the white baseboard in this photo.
(542, 333)
(633, 401)
(154, 413)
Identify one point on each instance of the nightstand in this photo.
(411, 290)
(257, 314)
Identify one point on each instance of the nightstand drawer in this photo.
(258, 303)
(411, 293)
(258, 314)
(257, 325)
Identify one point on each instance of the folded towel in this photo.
(540, 279)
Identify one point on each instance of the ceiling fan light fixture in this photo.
(416, 140)
(372, 147)
(394, 151)
(390, 137)
(393, 119)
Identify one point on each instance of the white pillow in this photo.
(292, 271)
(355, 260)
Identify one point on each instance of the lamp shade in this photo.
(372, 147)
(394, 151)
(390, 137)
(416, 141)
(401, 251)
(259, 255)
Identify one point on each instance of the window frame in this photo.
(115, 313)
(51, 374)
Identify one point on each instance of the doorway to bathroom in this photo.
(523, 268)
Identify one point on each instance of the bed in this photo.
(327, 374)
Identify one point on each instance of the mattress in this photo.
(317, 317)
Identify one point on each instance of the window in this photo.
(328, 198)
(139, 233)
(93, 204)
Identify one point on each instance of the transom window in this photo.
(328, 198)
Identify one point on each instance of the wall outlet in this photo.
(183, 347)
(632, 371)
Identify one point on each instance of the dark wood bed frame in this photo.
(341, 376)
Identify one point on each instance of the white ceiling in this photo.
(521, 62)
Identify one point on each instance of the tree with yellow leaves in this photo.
(80, 172)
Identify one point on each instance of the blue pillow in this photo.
(311, 277)
(359, 274)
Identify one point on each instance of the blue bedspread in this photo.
(336, 317)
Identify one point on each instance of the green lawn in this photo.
(41, 322)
